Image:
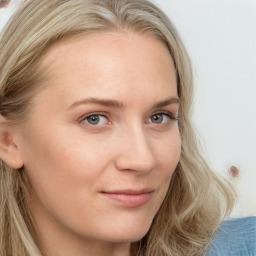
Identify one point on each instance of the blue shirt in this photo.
(235, 237)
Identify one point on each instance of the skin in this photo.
(72, 157)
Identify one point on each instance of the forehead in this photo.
(106, 46)
(108, 62)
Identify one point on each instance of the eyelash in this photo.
(166, 113)
(84, 118)
(170, 115)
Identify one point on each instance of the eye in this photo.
(160, 118)
(157, 118)
(95, 119)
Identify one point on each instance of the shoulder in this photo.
(235, 237)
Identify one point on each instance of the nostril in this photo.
(234, 171)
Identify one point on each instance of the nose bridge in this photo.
(136, 152)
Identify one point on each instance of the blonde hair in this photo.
(197, 199)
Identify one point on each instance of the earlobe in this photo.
(9, 151)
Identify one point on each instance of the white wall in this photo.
(221, 38)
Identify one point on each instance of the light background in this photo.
(220, 36)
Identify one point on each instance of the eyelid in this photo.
(81, 119)
(168, 113)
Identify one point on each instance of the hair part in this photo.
(197, 200)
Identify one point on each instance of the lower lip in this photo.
(130, 200)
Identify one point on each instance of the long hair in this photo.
(197, 199)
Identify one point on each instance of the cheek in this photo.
(55, 168)
(60, 166)
(168, 155)
(52, 165)
(62, 177)
(169, 151)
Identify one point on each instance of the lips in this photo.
(130, 197)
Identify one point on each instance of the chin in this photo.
(130, 233)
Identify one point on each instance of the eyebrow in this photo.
(173, 100)
(118, 104)
(102, 102)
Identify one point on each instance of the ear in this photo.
(9, 151)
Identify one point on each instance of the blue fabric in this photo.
(235, 237)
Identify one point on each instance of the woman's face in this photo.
(103, 140)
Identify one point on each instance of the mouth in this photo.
(129, 197)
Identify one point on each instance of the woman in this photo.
(98, 152)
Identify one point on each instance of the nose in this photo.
(135, 152)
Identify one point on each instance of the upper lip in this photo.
(130, 191)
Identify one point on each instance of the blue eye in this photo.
(95, 119)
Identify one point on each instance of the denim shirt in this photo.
(235, 237)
